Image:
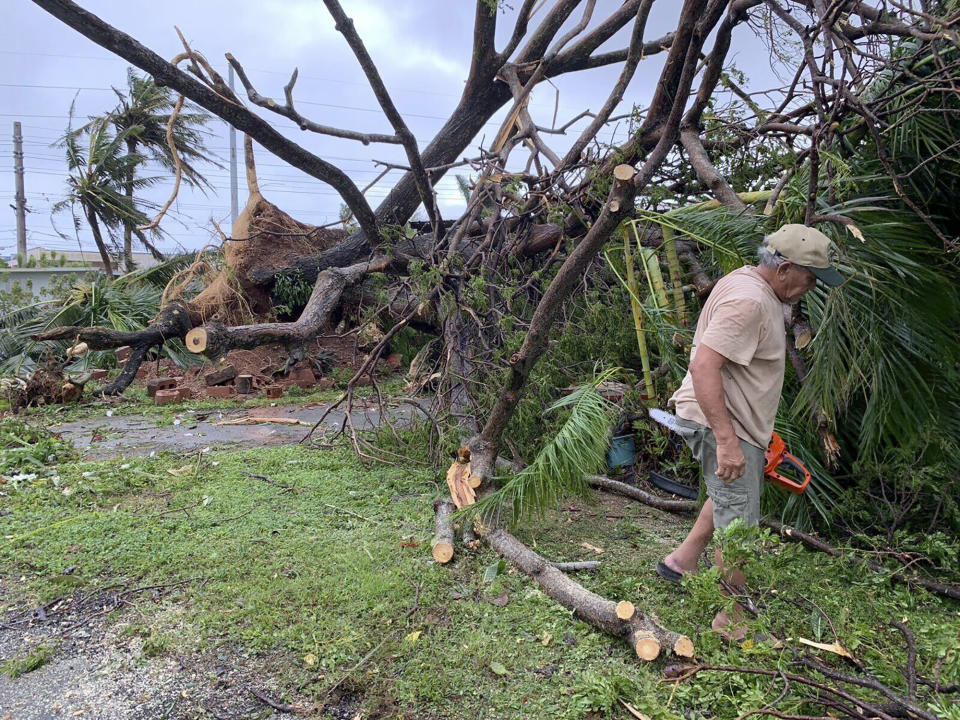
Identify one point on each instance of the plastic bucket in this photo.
(622, 451)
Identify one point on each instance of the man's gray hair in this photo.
(768, 257)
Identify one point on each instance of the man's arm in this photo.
(708, 389)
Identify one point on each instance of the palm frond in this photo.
(578, 449)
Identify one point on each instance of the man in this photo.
(728, 400)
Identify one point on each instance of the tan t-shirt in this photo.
(743, 321)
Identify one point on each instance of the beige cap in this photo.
(807, 247)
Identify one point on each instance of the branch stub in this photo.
(624, 172)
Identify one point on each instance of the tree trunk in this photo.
(98, 239)
(129, 265)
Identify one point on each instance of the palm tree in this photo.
(146, 106)
(97, 174)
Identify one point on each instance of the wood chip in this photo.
(593, 548)
(458, 480)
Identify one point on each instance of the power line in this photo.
(285, 73)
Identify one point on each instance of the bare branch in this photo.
(288, 111)
(345, 26)
(519, 30)
(616, 95)
(707, 173)
(220, 102)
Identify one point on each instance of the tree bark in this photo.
(615, 486)
(216, 339)
(128, 223)
(98, 239)
(442, 544)
(644, 633)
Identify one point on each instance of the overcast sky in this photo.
(421, 47)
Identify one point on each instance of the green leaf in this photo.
(498, 668)
(494, 569)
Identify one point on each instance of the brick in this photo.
(221, 391)
(274, 391)
(303, 377)
(142, 372)
(167, 397)
(326, 383)
(185, 393)
(219, 377)
(162, 383)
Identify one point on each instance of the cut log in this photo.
(587, 605)
(244, 384)
(70, 392)
(442, 530)
(218, 377)
(625, 610)
(196, 340)
(645, 644)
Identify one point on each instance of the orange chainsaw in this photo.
(778, 457)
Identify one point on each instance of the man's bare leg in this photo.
(731, 625)
(685, 558)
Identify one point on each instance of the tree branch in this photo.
(220, 102)
(345, 26)
(707, 173)
(287, 110)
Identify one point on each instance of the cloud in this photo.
(301, 25)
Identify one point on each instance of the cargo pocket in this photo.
(692, 434)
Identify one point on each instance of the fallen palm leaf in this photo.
(835, 648)
(255, 420)
(633, 711)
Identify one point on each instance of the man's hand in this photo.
(730, 461)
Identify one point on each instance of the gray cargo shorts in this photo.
(732, 500)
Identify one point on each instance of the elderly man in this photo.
(728, 401)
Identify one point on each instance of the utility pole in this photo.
(21, 197)
(233, 164)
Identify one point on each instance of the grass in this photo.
(327, 571)
(32, 660)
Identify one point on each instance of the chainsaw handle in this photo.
(789, 484)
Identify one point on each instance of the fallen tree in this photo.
(534, 227)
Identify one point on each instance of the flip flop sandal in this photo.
(668, 573)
